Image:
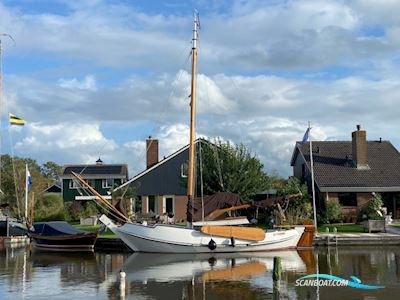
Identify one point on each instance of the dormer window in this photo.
(107, 183)
(184, 170)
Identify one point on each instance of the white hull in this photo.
(170, 267)
(174, 239)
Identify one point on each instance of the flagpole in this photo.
(26, 192)
(312, 180)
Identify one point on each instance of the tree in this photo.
(51, 170)
(231, 168)
(12, 182)
(299, 208)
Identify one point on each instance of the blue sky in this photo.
(95, 78)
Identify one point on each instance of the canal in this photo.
(38, 275)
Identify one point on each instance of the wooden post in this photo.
(276, 276)
(276, 273)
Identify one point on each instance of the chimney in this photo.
(151, 152)
(359, 148)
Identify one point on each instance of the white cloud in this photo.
(114, 62)
(88, 83)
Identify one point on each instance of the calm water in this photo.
(32, 275)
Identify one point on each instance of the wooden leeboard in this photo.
(244, 233)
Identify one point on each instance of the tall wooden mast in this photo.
(191, 175)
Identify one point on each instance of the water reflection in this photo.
(38, 275)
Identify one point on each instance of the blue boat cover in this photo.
(55, 228)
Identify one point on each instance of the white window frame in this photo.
(183, 166)
(164, 208)
(104, 183)
(73, 185)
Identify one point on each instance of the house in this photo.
(350, 171)
(162, 187)
(54, 188)
(102, 177)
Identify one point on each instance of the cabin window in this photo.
(73, 184)
(184, 170)
(107, 183)
(152, 204)
(169, 205)
(347, 199)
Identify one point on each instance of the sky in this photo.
(95, 78)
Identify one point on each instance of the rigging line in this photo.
(98, 202)
(14, 172)
(166, 103)
(216, 156)
(201, 182)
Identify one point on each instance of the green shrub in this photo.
(50, 207)
(74, 210)
(298, 211)
(373, 211)
(90, 209)
(334, 211)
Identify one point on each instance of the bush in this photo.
(299, 211)
(373, 211)
(333, 211)
(74, 210)
(89, 210)
(50, 207)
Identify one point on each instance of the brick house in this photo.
(350, 171)
(102, 177)
(162, 187)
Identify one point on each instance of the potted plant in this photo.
(375, 220)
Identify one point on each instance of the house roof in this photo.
(54, 188)
(144, 172)
(334, 170)
(103, 170)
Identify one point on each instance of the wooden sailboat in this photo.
(163, 238)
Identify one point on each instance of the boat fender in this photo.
(232, 241)
(212, 244)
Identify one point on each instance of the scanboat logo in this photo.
(330, 280)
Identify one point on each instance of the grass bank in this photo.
(342, 228)
(107, 234)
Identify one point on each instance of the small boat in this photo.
(61, 236)
(12, 232)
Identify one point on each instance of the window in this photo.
(169, 205)
(184, 170)
(107, 183)
(347, 199)
(152, 204)
(73, 184)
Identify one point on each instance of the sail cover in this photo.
(55, 228)
(211, 203)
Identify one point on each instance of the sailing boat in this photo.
(162, 238)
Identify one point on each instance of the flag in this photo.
(14, 120)
(28, 179)
(306, 135)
